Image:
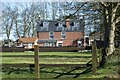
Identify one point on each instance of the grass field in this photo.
(47, 57)
(56, 72)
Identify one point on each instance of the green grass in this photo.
(48, 53)
(47, 58)
(111, 68)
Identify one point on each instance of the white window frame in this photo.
(30, 45)
(63, 35)
(52, 44)
(46, 44)
(59, 42)
(50, 35)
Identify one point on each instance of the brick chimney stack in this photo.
(67, 23)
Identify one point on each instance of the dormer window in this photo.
(41, 24)
(72, 24)
(57, 24)
(60, 26)
(64, 25)
(77, 24)
(44, 26)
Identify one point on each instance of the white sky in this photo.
(59, 0)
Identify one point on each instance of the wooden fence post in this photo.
(94, 58)
(36, 50)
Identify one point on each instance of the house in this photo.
(53, 33)
(8, 43)
(27, 42)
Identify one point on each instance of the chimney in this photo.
(67, 23)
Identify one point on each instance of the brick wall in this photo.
(43, 35)
(72, 36)
(57, 36)
(68, 41)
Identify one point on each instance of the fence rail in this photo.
(42, 49)
(28, 65)
(12, 49)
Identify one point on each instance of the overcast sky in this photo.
(58, 0)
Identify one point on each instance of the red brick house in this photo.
(27, 42)
(60, 33)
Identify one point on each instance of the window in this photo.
(6, 43)
(46, 44)
(29, 45)
(41, 24)
(79, 43)
(60, 27)
(77, 24)
(52, 44)
(44, 26)
(60, 44)
(63, 34)
(72, 23)
(51, 35)
(57, 24)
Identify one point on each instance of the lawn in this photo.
(47, 57)
(48, 73)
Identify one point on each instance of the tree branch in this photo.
(79, 8)
(115, 9)
(117, 29)
(103, 5)
(117, 20)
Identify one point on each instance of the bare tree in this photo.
(8, 19)
(17, 28)
(25, 17)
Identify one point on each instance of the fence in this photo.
(94, 59)
(59, 49)
(42, 49)
(37, 66)
(12, 49)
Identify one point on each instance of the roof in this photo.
(56, 26)
(47, 41)
(27, 39)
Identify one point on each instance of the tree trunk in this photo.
(111, 38)
(112, 28)
(105, 44)
(17, 31)
(109, 31)
(24, 31)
